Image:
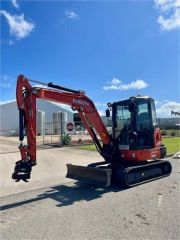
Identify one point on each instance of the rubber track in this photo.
(133, 176)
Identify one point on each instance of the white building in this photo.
(9, 116)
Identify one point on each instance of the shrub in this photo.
(173, 134)
(164, 133)
(66, 139)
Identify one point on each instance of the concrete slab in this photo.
(177, 155)
(50, 169)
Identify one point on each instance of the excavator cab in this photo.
(134, 123)
(135, 129)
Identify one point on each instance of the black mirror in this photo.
(107, 113)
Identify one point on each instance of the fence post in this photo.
(61, 131)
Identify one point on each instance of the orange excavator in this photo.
(132, 152)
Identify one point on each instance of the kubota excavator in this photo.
(132, 153)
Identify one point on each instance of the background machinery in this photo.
(175, 113)
(132, 153)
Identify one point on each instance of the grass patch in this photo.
(172, 144)
(90, 147)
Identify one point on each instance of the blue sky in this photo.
(110, 49)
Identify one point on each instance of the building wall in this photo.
(49, 108)
(9, 115)
(9, 118)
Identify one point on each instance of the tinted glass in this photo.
(123, 118)
(143, 117)
(154, 120)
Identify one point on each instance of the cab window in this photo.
(143, 117)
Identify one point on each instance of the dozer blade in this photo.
(98, 176)
(135, 175)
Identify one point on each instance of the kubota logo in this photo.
(80, 102)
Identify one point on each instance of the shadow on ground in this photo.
(67, 195)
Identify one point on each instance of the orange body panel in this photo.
(140, 155)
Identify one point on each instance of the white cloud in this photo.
(156, 103)
(115, 81)
(170, 18)
(166, 5)
(15, 3)
(19, 27)
(71, 14)
(116, 84)
(164, 108)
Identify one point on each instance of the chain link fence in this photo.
(170, 127)
(56, 133)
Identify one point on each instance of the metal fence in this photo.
(170, 127)
(56, 133)
(80, 135)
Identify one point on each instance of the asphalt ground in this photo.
(53, 207)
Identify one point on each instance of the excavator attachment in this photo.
(94, 175)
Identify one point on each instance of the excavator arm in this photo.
(26, 100)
